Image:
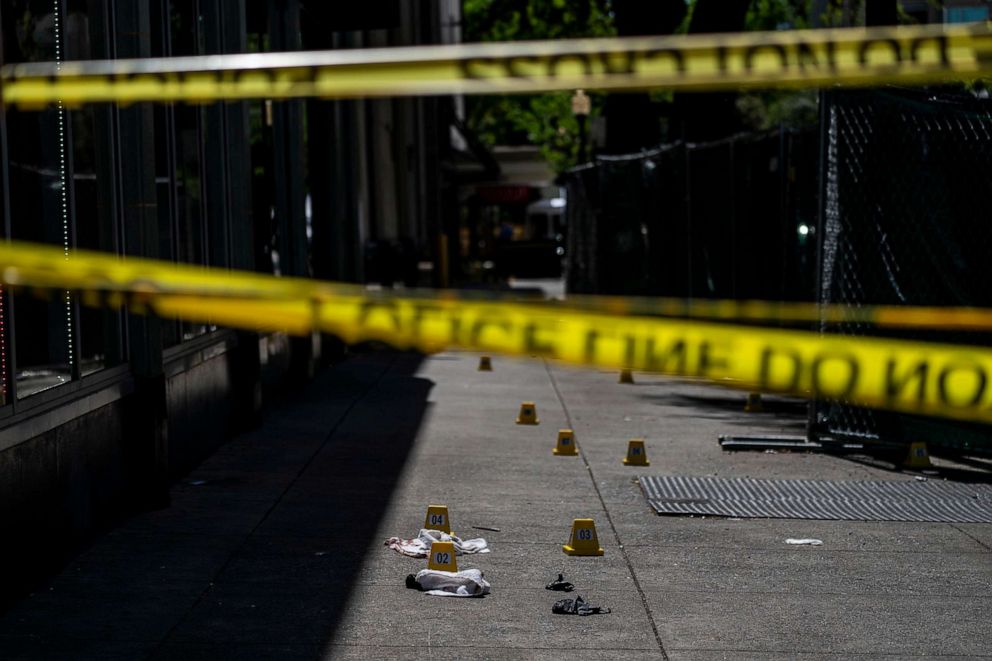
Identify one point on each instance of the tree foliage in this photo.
(514, 20)
(544, 120)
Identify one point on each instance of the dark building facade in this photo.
(101, 409)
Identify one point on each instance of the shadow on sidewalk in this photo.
(262, 545)
(787, 415)
(287, 586)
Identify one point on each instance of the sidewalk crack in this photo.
(972, 537)
(609, 519)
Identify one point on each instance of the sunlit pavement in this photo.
(273, 548)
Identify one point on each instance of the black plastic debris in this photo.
(577, 606)
(559, 585)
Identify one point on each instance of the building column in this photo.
(147, 421)
(288, 147)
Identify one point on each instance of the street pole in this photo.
(581, 106)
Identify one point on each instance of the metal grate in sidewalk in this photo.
(913, 500)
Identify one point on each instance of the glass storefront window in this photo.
(61, 189)
(60, 186)
(260, 120)
(39, 200)
(100, 329)
(186, 38)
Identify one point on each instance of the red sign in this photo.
(506, 194)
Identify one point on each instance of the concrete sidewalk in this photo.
(273, 547)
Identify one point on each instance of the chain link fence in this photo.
(898, 200)
(907, 195)
(726, 219)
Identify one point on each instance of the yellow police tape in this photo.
(914, 377)
(802, 58)
(108, 279)
(791, 313)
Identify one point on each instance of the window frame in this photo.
(16, 409)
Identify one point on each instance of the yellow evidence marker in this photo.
(437, 518)
(528, 414)
(753, 403)
(583, 540)
(485, 364)
(917, 456)
(442, 557)
(566, 444)
(636, 453)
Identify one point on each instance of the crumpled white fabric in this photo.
(420, 546)
(464, 583)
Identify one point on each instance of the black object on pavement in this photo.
(560, 585)
(577, 606)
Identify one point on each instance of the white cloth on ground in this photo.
(465, 583)
(420, 546)
(805, 542)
